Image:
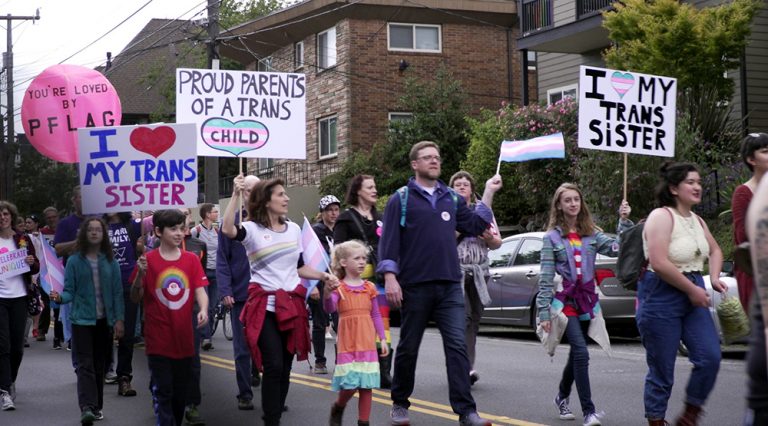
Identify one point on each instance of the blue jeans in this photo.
(443, 302)
(213, 299)
(664, 317)
(242, 354)
(577, 367)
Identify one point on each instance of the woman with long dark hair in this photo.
(92, 284)
(275, 294)
(673, 304)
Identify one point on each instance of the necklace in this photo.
(689, 229)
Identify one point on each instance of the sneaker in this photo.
(69, 346)
(472, 419)
(592, 419)
(473, 377)
(193, 416)
(255, 380)
(399, 416)
(207, 345)
(110, 378)
(35, 333)
(6, 403)
(87, 418)
(124, 387)
(562, 407)
(244, 404)
(56, 344)
(98, 415)
(26, 343)
(328, 335)
(320, 368)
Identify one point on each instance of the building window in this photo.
(326, 49)
(560, 93)
(531, 61)
(399, 117)
(328, 137)
(265, 165)
(298, 55)
(414, 38)
(265, 64)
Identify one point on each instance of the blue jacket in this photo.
(233, 271)
(79, 289)
(425, 248)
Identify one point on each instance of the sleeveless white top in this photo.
(688, 246)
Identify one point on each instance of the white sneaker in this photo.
(592, 419)
(6, 403)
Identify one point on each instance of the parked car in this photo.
(514, 284)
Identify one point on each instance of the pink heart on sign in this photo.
(153, 141)
(622, 82)
(4, 250)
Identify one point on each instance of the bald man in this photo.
(233, 275)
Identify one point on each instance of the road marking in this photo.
(417, 405)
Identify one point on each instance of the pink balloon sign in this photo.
(62, 99)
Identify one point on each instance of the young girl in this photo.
(92, 283)
(357, 367)
(569, 249)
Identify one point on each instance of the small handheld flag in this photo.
(51, 268)
(550, 146)
(314, 254)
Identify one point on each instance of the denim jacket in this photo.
(79, 289)
(558, 258)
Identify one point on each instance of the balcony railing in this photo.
(586, 8)
(536, 15)
(300, 173)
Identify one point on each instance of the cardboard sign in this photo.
(62, 99)
(131, 168)
(244, 114)
(13, 263)
(627, 112)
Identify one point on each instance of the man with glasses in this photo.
(418, 257)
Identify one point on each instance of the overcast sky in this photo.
(67, 26)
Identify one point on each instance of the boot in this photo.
(337, 412)
(657, 422)
(385, 368)
(363, 423)
(690, 416)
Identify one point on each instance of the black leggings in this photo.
(276, 361)
(13, 319)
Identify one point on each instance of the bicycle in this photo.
(223, 314)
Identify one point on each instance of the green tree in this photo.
(236, 12)
(671, 38)
(42, 182)
(439, 110)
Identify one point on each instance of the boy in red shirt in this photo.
(165, 279)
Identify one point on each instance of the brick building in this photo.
(356, 56)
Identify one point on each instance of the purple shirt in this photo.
(66, 231)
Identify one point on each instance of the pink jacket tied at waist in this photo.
(291, 315)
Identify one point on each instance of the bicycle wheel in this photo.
(226, 326)
(214, 322)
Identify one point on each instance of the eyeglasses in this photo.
(430, 158)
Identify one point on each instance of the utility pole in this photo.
(211, 164)
(6, 174)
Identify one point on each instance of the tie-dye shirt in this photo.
(273, 257)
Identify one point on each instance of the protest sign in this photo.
(13, 263)
(243, 113)
(627, 112)
(138, 168)
(62, 99)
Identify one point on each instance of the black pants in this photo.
(276, 362)
(319, 324)
(169, 379)
(125, 345)
(58, 326)
(93, 349)
(194, 396)
(757, 382)
(44, 322)
(13, 318)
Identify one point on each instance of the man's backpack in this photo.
(403, 192)
(631, 263)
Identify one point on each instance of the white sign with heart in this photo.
(625, 111)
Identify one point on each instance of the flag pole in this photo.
(498, 165)
(240, 204)
(625, 176)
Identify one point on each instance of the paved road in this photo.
(518, 381)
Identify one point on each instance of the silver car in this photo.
(514, 284)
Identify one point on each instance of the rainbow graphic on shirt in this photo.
(575, 241)
(172, 288)
(263, 256)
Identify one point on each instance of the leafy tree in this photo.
(439, 110)
(667, 37)
(41, 182)
(236, 12)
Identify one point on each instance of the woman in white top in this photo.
(275, 295)
(672, 302)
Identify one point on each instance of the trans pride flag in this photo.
(314, 254)
(51, 268)
(550, 146)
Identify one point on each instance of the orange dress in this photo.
(357, 361)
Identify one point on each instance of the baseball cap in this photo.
(327, 201)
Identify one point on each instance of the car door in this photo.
(499, 261)
(522, 285)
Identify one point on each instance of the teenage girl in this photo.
(357, 363)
